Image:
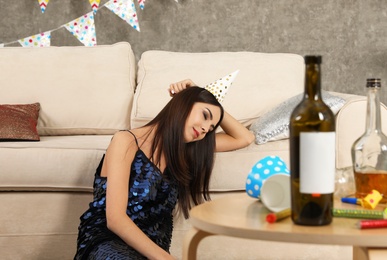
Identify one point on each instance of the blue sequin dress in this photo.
(151, 200)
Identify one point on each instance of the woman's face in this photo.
(202, 119)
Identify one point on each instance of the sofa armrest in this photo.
(350, 125)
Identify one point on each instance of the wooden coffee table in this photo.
(244, 217)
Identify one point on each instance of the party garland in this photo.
(83, 28)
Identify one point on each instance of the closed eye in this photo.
(207, 114)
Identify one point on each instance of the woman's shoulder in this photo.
(124, 135)
(124, 139)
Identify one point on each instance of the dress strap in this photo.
(135, 138)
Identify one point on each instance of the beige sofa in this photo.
(87, 94)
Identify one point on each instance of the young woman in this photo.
(147, 170)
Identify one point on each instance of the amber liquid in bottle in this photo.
(365, 182)
(312, 153)
(369, 151)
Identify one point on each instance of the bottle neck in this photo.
(312, 89)
(373, 123)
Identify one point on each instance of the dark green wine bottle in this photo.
(312, 152)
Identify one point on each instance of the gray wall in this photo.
(351, 35)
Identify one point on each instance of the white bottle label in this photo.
(317, 162)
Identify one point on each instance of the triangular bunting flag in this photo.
(126, 10)
(83, 29)
(94, 5)
(37, 40)
(141, 3)
(220, 87)
(43, 4)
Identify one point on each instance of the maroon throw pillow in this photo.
(18, 122)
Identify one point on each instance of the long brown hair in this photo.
(189, 164)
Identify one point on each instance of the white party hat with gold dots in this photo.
(220, 87)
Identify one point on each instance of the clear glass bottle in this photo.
(369, 151)
(312, 152)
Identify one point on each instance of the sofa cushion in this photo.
(81, 90)
(232, 168)
(264, 80)
(68, 163)
(54, 163)
(18, 122)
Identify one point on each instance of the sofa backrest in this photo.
(264, 80)
(81, 90)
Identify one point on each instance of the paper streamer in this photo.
(83, 29)
(126, 10)
(37, 40)
(94, 5)
(43, 5)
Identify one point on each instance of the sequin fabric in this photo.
(274, 125)
(151, 200)
(18, 122)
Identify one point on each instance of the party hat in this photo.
(220, 87)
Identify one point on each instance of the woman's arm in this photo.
(118, 160)
(235, 135)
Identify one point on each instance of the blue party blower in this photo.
(351, 201)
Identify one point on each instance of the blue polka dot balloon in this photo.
(262, 170)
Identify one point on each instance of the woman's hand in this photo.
(175, 88)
